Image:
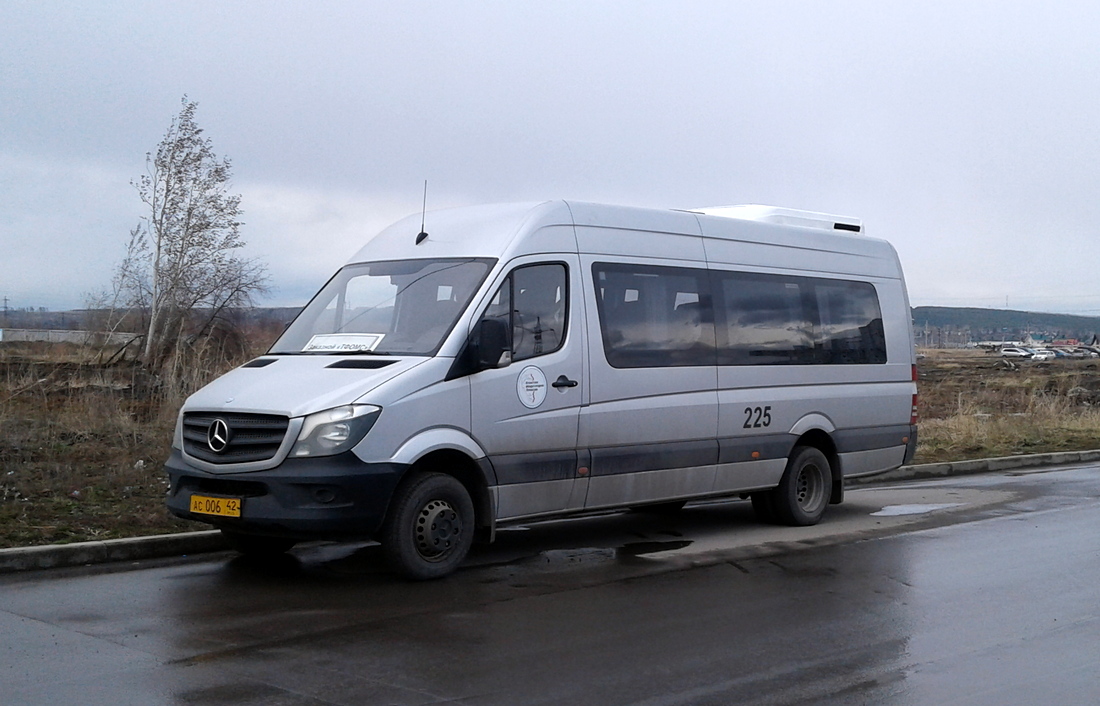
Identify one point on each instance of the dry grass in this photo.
(975, 406)
(82, 446)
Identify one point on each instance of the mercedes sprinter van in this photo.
(531, 361)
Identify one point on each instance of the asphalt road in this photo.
(975, 590)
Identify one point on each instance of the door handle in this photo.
(563, 381)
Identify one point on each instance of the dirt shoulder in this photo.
(975, 404)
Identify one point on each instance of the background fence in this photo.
(82, 338)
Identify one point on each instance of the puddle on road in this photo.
(898, 510)
(588, 556)
(573, 557)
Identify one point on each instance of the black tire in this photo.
(430, 527)
(762, 506)
(803, 493)
(257, 545)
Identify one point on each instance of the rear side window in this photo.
(851, 323)
(654, 316)
(765, 320)
(668, 316)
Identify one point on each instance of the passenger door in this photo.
(650, 427)
(525, 414)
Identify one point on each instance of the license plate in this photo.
(222, 507)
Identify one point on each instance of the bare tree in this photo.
(181, 267)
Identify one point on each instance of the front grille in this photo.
(252, 437)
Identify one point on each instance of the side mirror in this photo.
(492, 345)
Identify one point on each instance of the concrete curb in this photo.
(130, 549)
(169, 545)
(981, 465)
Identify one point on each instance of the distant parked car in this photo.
(1086, 352)
(1042, 354)
(1015, 353)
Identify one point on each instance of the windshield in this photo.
(401, 307)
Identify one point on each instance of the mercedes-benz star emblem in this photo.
(217, 436)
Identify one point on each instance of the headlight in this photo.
(334, 430)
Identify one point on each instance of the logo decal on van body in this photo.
(531, 387)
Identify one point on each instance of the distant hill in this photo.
(993, 324)
(92, 319)
(981, 324)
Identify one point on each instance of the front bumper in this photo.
(331, 497)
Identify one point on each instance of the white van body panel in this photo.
(782, 216)
(633, 232)
(295, 386)
(650, 486)
(526, 501)
(812, 421)
(751, 244)
(435, 439)
(475, 231)
(415, 411)
(862, 463)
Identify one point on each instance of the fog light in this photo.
(324, 495)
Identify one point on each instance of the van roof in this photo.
(735, 234)
(784, 216)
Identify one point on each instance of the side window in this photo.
(532, 303)
(764, 320)
(850, 323)
(654, 316)
(538, 312)
(768, 319)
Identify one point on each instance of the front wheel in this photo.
(430, 527)
(803, 493)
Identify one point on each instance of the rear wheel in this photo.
(430, 527)
(803, 493)
(257, 545)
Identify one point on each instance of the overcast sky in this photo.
(966, 133)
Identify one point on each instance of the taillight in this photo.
(913, 414)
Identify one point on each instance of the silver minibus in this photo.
(511, 363)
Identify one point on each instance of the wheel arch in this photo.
(823, 441)
(475, 477)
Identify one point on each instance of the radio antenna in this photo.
(422, 236)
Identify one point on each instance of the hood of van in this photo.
(296, 385)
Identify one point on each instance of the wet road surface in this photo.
(979, 590)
